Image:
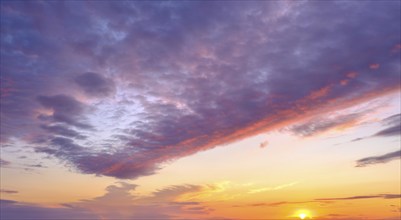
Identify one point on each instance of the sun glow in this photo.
(303, 214)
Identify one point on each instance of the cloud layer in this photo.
(119, 88)
(116, 203)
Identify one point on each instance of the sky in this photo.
(200, 110)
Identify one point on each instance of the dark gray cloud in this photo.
(396, 155)
(187, 76)
(95, 84)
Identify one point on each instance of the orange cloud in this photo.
(319, 93)
(374, 66)
(352, 75)
(344, 82)
(396, 48)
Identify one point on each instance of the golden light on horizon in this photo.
(303, 214)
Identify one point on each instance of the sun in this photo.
(302, 215)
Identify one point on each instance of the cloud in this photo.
(117, 202)
(65, 109)
(183, 82)
(264, 144)
(36, 165)
(8, 191)
(391, 131)
(63, 131)
(282, 203)
(394, 129)
(341, 217)
(322, 200)
(393, 124)
(323, 124)
(10, 209)
(374, 66)
(95, 84)
(379, 159)
(381, 196)
(4, 163)
(272, 188)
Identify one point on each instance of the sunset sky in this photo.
(200, 110)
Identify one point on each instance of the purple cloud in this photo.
(62, 131)
(10, 209)
(319, 125)
(183, 77)
(116, 203)
(65, 109)
(161, 204)
(95, 84)
(379, 159)
(4, 163)
(393, 124)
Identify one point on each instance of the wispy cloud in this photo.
(7, 191)
(393, 128)
(379, 159)
(4, 163)
(264, 144)
(322, 200)
(282, 203)
(323, 124)
(377, 196)
(264, 189)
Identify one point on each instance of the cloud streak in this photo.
(4, 163)
(382, 196)
(320, 125)
(272, 188)
(393, 124)
(322, 200)
(379, 159)
(7, 191)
